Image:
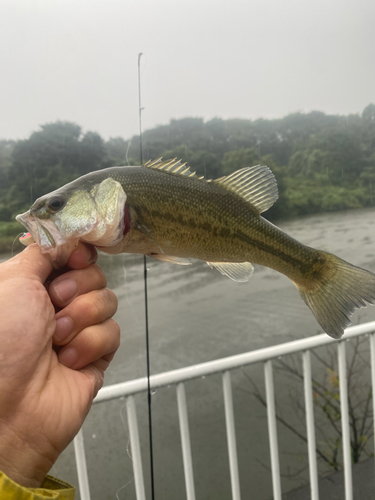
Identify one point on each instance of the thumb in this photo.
(29, 264)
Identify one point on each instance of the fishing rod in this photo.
(146, 303)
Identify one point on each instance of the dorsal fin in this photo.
(257, 185)
(173, 166)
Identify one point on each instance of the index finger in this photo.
(32, 264)
(29, 264)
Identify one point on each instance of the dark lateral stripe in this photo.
(274, 250)
(225, 232)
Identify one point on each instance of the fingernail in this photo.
(68, 357)
(64, 327)
(65, 289)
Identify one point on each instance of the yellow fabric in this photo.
(51, 488)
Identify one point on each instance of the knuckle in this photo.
(94, 307)
(85, 307)
(106, 338)
(117, 331)
(106, 302)
(108, 334)
(112, 298)
(97, 307)
(99, 275)
(116, 335)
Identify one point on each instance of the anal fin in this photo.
(236, 271)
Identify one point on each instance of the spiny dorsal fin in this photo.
(173, 166)
(257, 185)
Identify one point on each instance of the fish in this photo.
(164, 210)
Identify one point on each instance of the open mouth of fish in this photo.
(48, 237)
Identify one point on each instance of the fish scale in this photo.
(164, 210)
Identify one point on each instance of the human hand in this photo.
(47, 391)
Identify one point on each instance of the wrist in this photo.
(23, 461)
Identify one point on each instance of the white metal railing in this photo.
(224, 365)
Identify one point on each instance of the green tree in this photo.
(321, 162)
(117, 150)
(206, 164)
(50, 158)
(92, 153)
(368, 114)
(6, 148)
(182, 152)
(240, 158)
(334, 156)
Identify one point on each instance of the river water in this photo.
(197, 315)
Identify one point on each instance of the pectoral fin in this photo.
(172, 260)
(236, 271)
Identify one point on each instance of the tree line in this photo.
(321, 162)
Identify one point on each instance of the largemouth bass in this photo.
(165, 211)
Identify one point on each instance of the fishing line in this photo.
(146, 303)
(15, 241)
(128, 451)
(127, 151)
(122, 487)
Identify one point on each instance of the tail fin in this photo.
(339, 291)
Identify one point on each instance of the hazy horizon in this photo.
(136, 132)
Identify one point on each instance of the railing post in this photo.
(272, 430)
(185, 441)
(231, 436)
(310, 426)
(135, 448)
(345, 424)
(372, 353)
(83, 480)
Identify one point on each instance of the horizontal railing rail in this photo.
(224, 366)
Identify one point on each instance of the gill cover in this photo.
(95, 216)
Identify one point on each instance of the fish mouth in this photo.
(42, 234)
(48, 238)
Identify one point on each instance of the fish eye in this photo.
(55, 204)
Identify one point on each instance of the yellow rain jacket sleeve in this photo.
(51, 488)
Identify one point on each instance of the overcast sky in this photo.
(76, 60)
